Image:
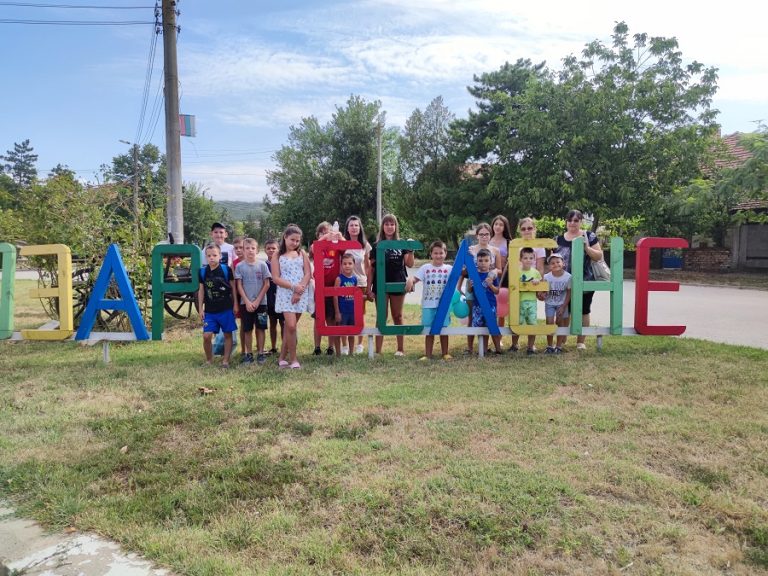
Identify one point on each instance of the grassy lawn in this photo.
(648, 458)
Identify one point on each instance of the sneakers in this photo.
(261, 358)
(330, 351)
(558, 350)
(581, 346)
(345, 350)
(530, 352)
(271, 352)
(550, 350)
(447, 357)
(359, 349)
(317, 351)
(424, 359)
(513, 348)
(399, 353)
(248, 358)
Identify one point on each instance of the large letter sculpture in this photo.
(643, 285)
(615, 285)
(383, 288)
(8, 255)
(320, 250)
(63, 292)
(516, 287)
(160, 286)
(113, 265)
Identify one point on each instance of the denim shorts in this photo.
(428, 316)
(551, 311)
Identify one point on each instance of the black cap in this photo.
(217, 225)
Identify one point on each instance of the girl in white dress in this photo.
(291, 274)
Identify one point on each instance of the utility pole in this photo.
(174, 209)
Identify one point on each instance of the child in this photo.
(528, 273)
(557, 300)
(275, 318)
(216, 302)
(353, 230)
(252, 277)
(435, 278)
(490, 283)
(396, 261)
(331, 267)
(219, 238)
(345, 305)
(237, 244)
(483, 232)
(291, 273)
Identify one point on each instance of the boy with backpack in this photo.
(216, 303)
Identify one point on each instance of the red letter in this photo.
(643, 285)
(322, 291)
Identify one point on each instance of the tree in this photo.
(199, 213)
(20, 164)
(150, 169)
(327, 172)
(612, 133)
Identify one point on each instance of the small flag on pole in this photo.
(187, 125)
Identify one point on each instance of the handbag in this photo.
(600, 270)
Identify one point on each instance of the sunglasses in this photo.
(527, 228)
(484, 234)
(574, 220)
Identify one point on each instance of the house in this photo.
(749, 241)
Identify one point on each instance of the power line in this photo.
(73, 6)
(77, 22)
(148, 76)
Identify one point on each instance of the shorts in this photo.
(551, 311)
(478, 320)
(528, 312)
(428, 316)
(271, 310)
(347, 319)
(586, 302)
(215, 321)
(256, 319)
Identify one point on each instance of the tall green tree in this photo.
(327, 172)
(20, 163)
(199, 213)
(612, 133)
(150, 170)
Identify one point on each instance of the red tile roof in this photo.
(751, 205)
(735, 155)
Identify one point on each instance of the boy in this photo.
(528, 273)
(252, 277)
(219, 238)
(435, 278)
(270, 248)
(344, 306)
(216, 303)
(237, 244)
(556, 301)
(490, 283)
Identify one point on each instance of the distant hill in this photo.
(239, 211)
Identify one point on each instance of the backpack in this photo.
(224, 269)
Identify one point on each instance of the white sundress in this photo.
(292, 270)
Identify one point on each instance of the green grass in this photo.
(651, 456)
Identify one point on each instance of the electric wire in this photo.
(147, 80)
(72, 6)
(76, 22)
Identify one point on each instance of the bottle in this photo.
(335, 230)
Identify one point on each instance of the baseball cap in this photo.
(553, 255)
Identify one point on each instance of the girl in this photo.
(291, 273)
(396, 262)
(526, 227)
(500, 238)
(483, 232)
(353, 230)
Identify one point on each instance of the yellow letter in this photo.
(515, 286)
(63, 292)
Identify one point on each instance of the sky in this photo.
(249, 70)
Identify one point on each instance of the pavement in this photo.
(727, 315)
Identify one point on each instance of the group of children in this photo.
(279, 291)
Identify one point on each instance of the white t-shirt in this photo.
(434, 280)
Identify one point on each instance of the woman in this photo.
(592, 252)
(396, 261)
(353, 230)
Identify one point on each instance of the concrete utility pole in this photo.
(380, 126)
(174, 208)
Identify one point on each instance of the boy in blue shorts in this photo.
(489, 283)
(344, 306)
(434, 276)
(216, 304)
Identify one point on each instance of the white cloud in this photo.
(234, 181)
